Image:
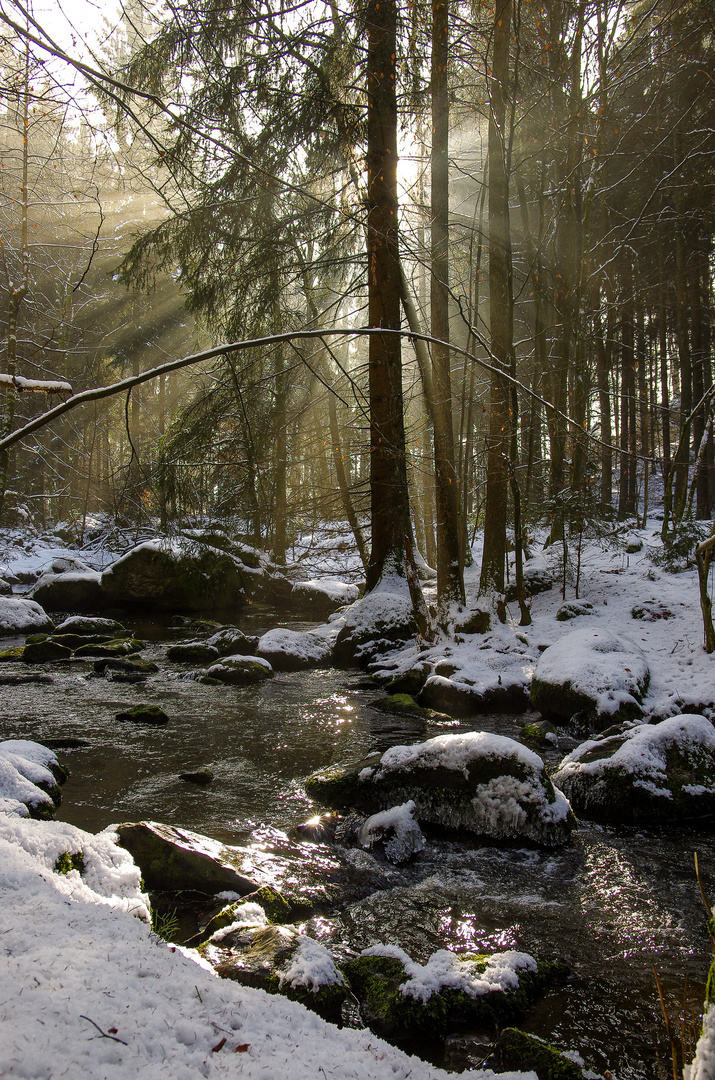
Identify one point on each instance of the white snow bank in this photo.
(703, 1065)
(23, 766)
(88, 991)
(609, 670)
(22, 616)
(444, 969)
(643, 752)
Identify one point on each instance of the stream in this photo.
(611, 903)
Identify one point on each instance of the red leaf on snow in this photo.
(215, 1049)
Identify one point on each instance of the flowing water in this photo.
(611, 903)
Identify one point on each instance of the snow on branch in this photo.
(38, 386)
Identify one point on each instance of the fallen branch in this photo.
(103, 1034)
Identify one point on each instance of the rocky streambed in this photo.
(606, 902)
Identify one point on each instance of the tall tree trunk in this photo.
(500, 310)
(389, 500)
(450, 587)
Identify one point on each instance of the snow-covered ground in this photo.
(87, 991)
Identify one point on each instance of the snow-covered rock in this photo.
(292, 650)
(230, 641)
(399, 996)
(72, 590)
(323, 596)
(239, 670)
(703, 1065)
(593, 672)
(80, 965)
(22, 617)
(174, 576)
(279, 959)
(380, 621)
(85, 624)
(648, 775)
(485, 783)
(396, 831)
(30, 775)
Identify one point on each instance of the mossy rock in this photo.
(540, 733)
(572, 609)
(144, 714)
(167, 577)
(200, 777)
(653, 774)
(230, 641)
(263, 963)
(521, 1052)
(277, 910)
(710, 985)
(12, 654)
(471, 782)
(240, 670)
(132, 663)
(111, 649)
(192, 652)
(405, 705)
(44, 652)
(68, 861)
(535, 581)
(388, 1011)
(173, 859)
(455, 698)
(409, 682)
(473, 622)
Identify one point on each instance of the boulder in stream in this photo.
(173, 859)
(380, 621)
(71, 590)
(230, 641)
(400, 997)
(523, 1052)
(483, 783)
(22, 617)
(192, 652)
(281, 960)
(144, 714)
(322, 597)
(178, 576)
(650, 774)
(292, 650)
(30, 778)
(591, 672)
(239, 670)
(88, 625)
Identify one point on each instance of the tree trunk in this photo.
(450, 587)
(500, 311)
(389, 500)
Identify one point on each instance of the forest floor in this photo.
(89, 991)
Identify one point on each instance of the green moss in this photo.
(375, 981)
(12, 654)
(336, 787)
(523, 1052)
(144, 714)
(116, 648)
(69, 861)
(43, 652)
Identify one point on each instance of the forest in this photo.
(521, 193)
(357, 553)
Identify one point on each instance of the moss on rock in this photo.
(67, 861)
(525, 1053)
(144, 714)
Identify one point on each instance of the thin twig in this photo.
(103, 1034)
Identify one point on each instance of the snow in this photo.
(305, 646)
(338, 592)
(643, 753)
(407, 839)
(455, 752)
(248, 914)
(39, 386)
(88, 991)
(24, 765)
(445, 969)
(703, 1065)
(610, 669)
(21, 616)
(311, 965)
